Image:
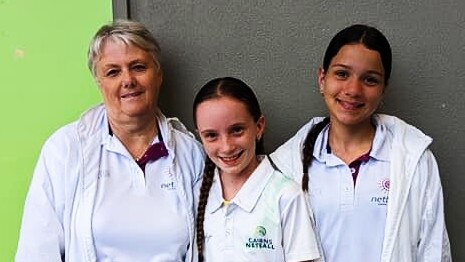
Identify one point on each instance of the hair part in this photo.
(369, 37)
(122, 31)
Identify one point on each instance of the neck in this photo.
(136, 135)
(350, 142)
(232, 183)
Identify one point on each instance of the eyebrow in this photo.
(136, 61)
(207, 131)
(348, 67)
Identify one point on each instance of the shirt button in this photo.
(352, 170)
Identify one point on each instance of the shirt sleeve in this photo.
(299, 240)
(434, 242)
(42, 235)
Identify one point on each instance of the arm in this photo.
(42, 235)
(434, 242)
(299, 240)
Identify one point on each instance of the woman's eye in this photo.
(111, 73)
(139, 68)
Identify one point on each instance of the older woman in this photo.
(116, 185)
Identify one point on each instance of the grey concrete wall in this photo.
(276, 47)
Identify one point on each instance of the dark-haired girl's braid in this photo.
(207, 182)
(307, 151)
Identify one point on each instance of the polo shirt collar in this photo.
(113, 144)
(248, 195)
(381, 143)
(379, 150)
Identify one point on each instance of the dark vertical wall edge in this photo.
(120, 9)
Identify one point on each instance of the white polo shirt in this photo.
(268, 220)
(137, 217)
(351, 219)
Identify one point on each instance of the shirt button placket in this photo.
(228, 233)
(347, 190)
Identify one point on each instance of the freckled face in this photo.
(353, 85)
(129, 80)
(229, 133)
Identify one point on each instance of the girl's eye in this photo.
(372, 81)
(341, 74)
(237, 130)
(209, 136)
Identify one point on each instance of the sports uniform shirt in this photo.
(137, 217)
(58, 220)
(350, 217)
(267, 220)
(415, 227)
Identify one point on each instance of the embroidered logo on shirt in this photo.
(168, 186)
(384, 187)
(259, 241)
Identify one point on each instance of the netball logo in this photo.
(384, 198)
(260, 231)
(258, 240)
(384, 185)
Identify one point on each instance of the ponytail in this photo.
(307, 151)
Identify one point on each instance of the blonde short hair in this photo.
(126, 31)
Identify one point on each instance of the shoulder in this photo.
(70, 136)
(402, 130)
(183, 138)
(410, 146)
(288, 156)
(186, 151)
(284, 187)
(58, 161)
(296, 141)
(63, 139)
(303, 131)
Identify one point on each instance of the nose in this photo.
(353, 87)
(127, 79)
(227, 145)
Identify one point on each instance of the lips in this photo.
(350, 105)
(229, 160)
(132, 94)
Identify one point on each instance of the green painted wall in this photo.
(44, 83)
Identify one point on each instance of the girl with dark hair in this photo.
(248, 210)
(373, 183)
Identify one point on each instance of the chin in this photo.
(354, 121)
(138, 111)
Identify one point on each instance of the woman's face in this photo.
(353, 85)
(129, 80)
(228, 133)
